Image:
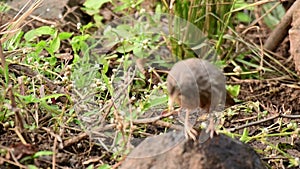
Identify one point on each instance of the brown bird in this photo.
(196, 83)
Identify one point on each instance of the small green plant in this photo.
(128, 5)
(233, 90)
(36, 155)
(51, 44)
(273, 13)
(3, 7)
(243, 11)
(92, 7)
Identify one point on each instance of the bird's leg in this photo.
(189, 132)
(211, 127)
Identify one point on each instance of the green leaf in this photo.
(14, 42)
(159, 101)
(64, 35)
(6, 74)
(52, 60)
(33, 99)
(85, 27)
(241, 60)
(95, 4)
(32, 167)
(28, 98)
(104, 166)
(273, 18)
(42, 153)
(105, 66)
(4, 8)
(44, 30)
(121, 7)
(158, 10)
(90, 166)
(76, 58)
(242, 4)
(245, 138)
(233, 90)
(98, 19)
(53, 108)
(78, 42)
(108, 85)
(54, 45)
(125, 47)
(138, 51)
(90, 12)
(40, 46)
(242, 17)
(55, 96)
(124, 31)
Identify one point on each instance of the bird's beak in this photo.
(170, 104)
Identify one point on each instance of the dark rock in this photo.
(172, 151)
